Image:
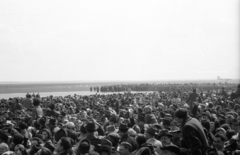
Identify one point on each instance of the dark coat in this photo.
(130, 140)
(192, 98)
(95, 142)
(193, 134)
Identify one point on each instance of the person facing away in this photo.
(193, 97)
(193, 133)
(28, 102)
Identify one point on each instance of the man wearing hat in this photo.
(124, 137)
(193, 133)
(52, 124)
(235, 125)
(176, 138)
(150, 135)
(52, 112)
(106, 147)
(91, 128)
(114, 139)
(110, 129)
(141, 122)
(84, 147)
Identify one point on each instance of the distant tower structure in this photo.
(90, 89)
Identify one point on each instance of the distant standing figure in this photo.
(27, 102)
(193, 97)
(37, 110)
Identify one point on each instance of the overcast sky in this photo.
(54, 40)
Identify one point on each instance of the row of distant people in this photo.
(160, 87)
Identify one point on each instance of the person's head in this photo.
(166, 123)
(194, 90)
(230, 133)
(123, 129)
(114, 139)
(36, 102)
(84, 147)
(235, 125)
(212, 126)
(18, 139)
(36, 141)
(3, 148)
(52, 106)
(44, 151)
(64, 144)
(20, 150)
(140, 139)
(150, 132)
(125, 148)
(181, 114)
(206, 124)
(165, 137)
(205, 116)
(141, 120)
(84, 114)
(175, 131)
(221, 131)
(23, 125)
(218, 141)
(113, 120)
(132, 133)
(46, 134)
(29, 112)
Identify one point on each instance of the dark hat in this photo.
(114, 118)
(152, 130)
(91, 126)
(166, 122)
(181, 113)
(168, 116)
(82, 129)
(123, 127)
(164, 132)
(105, 148)
(106, 142)
(111, 128)
(115, 136)
(53, 121)
(221, 116)
(210, 105)
(234, 121)
(42, 120)
(51, 106)
(158, 126)
(150, 146)
(172, 148)
(23, 125)
(106, 145)
(84, 146)
(59, 134)
(39, 138)
(3, 137)
(175, 129)
(205, 114)
(225, 126)
(141, 117)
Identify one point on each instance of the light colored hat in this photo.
(3, 148)
(70, 125)
(131, 132)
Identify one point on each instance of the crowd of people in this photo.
(161, 87)
(170, 119)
